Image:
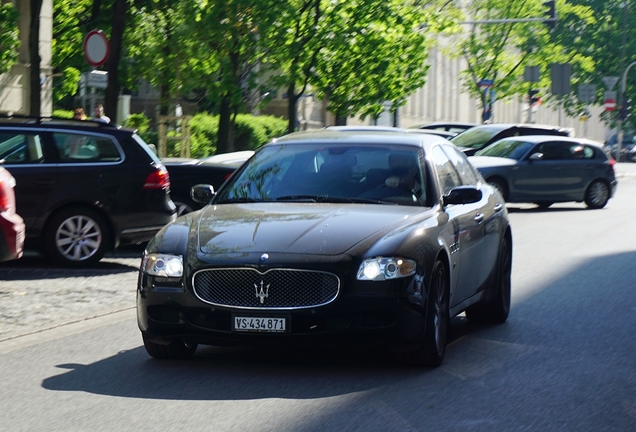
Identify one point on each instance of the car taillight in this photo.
(612, 162)
(4, 197)
(158, 179)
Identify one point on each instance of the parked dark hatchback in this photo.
(84, 187)
(479, 137)
(545, 170)
(354, 237)
(212, 170)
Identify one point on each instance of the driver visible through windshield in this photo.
(390, 174)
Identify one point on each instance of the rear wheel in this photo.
(495, 308)
(176, 350)
(76, 237)
(597, 194)
(431, 352)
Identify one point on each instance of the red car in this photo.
(12, 228)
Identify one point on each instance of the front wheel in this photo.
(597, 194)
(176, 350)
(433, 348)
(495, 309)
(76, 237)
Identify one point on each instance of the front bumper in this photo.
(389, 318)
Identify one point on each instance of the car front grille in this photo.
(275, 289)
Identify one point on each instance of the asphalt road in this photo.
(71, 357)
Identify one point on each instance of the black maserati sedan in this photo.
(334, 236)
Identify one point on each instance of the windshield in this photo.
(511, 149)
(386, 174)
(477, 136)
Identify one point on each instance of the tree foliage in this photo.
(501, 51)
(9, 37)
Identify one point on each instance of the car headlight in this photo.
(163, 265)
(377, 269)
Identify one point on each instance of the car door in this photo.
(28, 159)
(491, 207)
(468, 234)
(547, 177)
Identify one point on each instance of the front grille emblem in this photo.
(263, 293)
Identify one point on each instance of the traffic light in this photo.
(550, 14)
(624, 110)
(533, 97)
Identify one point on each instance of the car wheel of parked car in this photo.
(500, 186)
(597, 194)
(76, 237)
(495, 308)
(433, 348)
(177, 350)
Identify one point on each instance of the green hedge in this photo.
(251, 132)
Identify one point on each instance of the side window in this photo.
(553, 150)
(20, 148)
(576, 151)
(466, 172)
(448, 177)
(79, 148)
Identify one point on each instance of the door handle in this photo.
(479, 217)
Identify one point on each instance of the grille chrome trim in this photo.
(251, 276)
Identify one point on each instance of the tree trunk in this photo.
(120, 8)
(223, 142)
(292, 114)
(35, 95)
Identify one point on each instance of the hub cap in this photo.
(78, 238)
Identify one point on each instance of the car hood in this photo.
(491, 161)
(294, 228)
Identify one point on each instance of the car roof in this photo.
(502, 126)
(446, 123)
(543, 138)
(339, 136)
(22, 121)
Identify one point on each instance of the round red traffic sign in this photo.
(96, 48)
(610, 104)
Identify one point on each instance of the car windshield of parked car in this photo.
(387, 174)
(511, 149)
(477, 136)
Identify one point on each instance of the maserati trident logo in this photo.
(263, 293)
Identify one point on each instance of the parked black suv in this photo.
(478, 137)
(84, 187)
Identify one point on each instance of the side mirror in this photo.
(462, 195)
(202, 193)
(536, 156)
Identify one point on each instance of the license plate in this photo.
(259, 324)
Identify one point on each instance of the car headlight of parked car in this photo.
(163, 265)
(379, 269)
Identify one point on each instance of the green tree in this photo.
(379, 54)
(9, 37)
(500, 51)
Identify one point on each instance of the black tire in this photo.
(496, 307)
(500, 186)
(433, 348)
(597, 194)
(544, 204)
(177, 350)
(76, 237)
